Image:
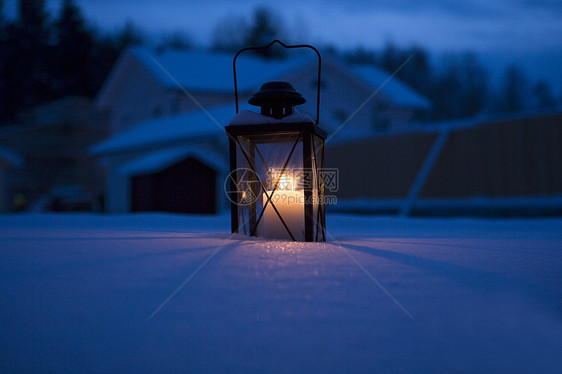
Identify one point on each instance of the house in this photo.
(167, 113)
(52, 139)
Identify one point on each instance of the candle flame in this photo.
(283, 181)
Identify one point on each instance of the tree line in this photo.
(45, 57)
(457, 84)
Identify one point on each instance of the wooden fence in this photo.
(518, 157)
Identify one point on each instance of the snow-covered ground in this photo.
(87, 293)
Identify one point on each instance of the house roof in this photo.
(212, 71)
(192, 126)
(396, 91)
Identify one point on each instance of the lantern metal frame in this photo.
(312, 138)
(288, 47)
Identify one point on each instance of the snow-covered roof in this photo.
(192, 126)
(10, 157)
(396, 91)
(212, 71)
(160, 159)
(248, 117)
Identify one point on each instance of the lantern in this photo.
(276, 185)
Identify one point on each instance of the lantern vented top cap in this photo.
(277, 92)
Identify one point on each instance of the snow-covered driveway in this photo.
(167, 293)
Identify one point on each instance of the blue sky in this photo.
(527, 31)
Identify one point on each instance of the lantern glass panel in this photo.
(270, 172)
(277, 182)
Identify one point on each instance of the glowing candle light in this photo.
(290, 204)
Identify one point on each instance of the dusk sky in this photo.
(527, 30)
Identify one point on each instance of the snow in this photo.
(396, 91)
(191, 127)
(207, 71)
(248, 117)
(78, 290)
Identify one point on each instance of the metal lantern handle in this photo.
(286, 46)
